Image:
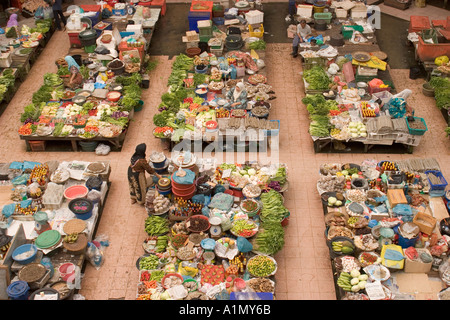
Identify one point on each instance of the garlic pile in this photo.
(161, 204)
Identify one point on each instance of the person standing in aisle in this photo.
(137, 181)
(303, 31)
(58, 14)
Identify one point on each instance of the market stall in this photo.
(202, 106)
(218, 241)
(20, 46)
(386, 226)
(50, 213)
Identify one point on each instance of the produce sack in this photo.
(16, 165)
(244, 245)
(8, 210)
(185, 269)
(441, 60)
(20, 180)
(29, 165)
(222, 201)
(397, 107)
(184, 176)
(402, 210)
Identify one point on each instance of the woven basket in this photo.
(74, 226)
(79, 246)
(32, 272)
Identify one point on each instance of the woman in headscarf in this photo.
(136, 174)
(237, 97)
(75, 78)
(12, 22)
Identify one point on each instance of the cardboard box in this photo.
(425, 222)
(395, 197)
(417, 266)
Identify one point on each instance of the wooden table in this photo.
(116, 141)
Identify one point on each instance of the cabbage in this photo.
(355, 273)
(251, 172)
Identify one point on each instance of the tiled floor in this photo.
(304, 269)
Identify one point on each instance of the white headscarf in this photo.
(237, 93)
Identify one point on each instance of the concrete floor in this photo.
(304, 270)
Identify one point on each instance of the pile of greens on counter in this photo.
(131, 97)
(441, 88)
(273, 209)
(270, 238)
(317, 78)
(32, 112)
(319, 108)
(257, 45)
(7, 78)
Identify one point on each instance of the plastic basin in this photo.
(66, 270)
(22, 249)
(74, 192)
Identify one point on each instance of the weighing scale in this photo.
(215, 230)
(41, 222)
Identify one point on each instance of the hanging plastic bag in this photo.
(39, 13)
(48, 13)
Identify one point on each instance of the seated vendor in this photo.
(237, 97)
(75, 78)
(303, 32)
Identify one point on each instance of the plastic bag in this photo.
(39, 13)
(94, 196)
(186, 269)
(48, 13)
(102, 149)
(94, 255)
(439, 61)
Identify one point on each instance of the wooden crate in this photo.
(37, 145)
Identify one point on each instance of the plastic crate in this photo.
(347, 31)
(5, 60)
(323, 16)
(341, 13)
(273, 132)
(254, 17)
(438, 174)
(304, 10)
(417, 132)
(256, 34)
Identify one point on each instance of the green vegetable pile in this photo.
(257, 45)
(261, 266)
(280, 176)
(52, 80)
(441, 88)
(273, 209)
(3, 90)
(155, 225)
(32, 112)
(161, 243)
(270, 238)
(7, 78)
(135, 78)
(319, 108)
(150, 262)
(317, 78)
(180, 67)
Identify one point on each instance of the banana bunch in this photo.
(344, 281)
(342, 246)
(71, 238)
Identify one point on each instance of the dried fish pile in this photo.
(247, 123)
(399, 125)
(418, 165)
(259, 124)
(380, 125)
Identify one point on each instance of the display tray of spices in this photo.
(197, 223)
(32, 272)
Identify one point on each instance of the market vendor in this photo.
(12, 22)
(303, 32)
(237, 97)
(75, 78)
(137, 181)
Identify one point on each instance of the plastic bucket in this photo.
(159, 165)
(405, 242)
(66, 270)
(18, 290)
(88, 145)
(139, 107)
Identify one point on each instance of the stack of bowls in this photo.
(164, 186)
